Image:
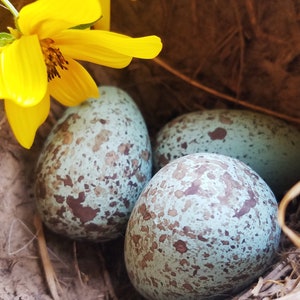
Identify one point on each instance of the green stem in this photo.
(11, 8)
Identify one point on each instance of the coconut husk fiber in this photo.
(217, 54)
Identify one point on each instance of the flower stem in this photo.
(10, 7)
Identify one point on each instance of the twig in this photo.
(289, 196)
(50, 274)
(224, 96)
(77, 269)
(242, 46)
(107, 279)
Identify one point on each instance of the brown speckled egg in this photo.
(93, 167)
(268, 145)
(204, 226)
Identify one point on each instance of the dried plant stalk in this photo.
(213, 92)
(290, 195)
(50, 274)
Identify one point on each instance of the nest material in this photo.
(217, 54)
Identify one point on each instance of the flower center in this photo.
(53, 58)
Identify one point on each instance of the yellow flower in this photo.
(104, 22)
(41, 60)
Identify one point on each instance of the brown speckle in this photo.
(248, 204)
(184, 145)
(188, 286)
(111, 158)
(218, 134)
(85, 214)
(67, 181)
(225, 120)
(180, 246)
(172, 212)
(162, 238)
(67, 138)
(59, 199)
(202, 238)
(193, 189)
(145, 155)
(124, 148)
(144, 212)
(100, 138)
(209, 266)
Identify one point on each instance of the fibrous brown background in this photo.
(247, 50)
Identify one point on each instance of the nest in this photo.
(233, 54)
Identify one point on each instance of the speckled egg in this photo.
(93, 167)
(268, 145)
(204, 226)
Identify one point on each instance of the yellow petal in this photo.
(74, 86)
(23, 71)
(106, 48)
(45, 17)
(104, 22)
(25, 121)
(3, 91)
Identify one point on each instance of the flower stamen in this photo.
(53, 58)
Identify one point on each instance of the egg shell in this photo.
(205, 225)
(268, 145)
(93, 167)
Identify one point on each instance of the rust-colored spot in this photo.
(225, 242)
(84, 214)
(124, 148)
(113, 204)
(111, 158)
(188, 203)
(218, 134)
(196, 269)
(59, 198)
(225, 120)
(79, 140)
(188, 286)
(162, 238)
(145, 155)
(173, 225)
(248, 204)
(80, 178)
(172, 212)
(203, 278)
(145, 229)
(184, 262)
(210, 266)
(60, 212)
(144, 212)
(101, 138)
(180, 246)
(67, 138)
(136, 238)
(202, 238)
(154, 281)
(66, 181)
(192, 190)
(184, 145)
(148, 257)
(153, 246)
(206, 255)
(173, 283)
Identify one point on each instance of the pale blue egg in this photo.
(204, 226)
(93, 166)
(268, 145)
